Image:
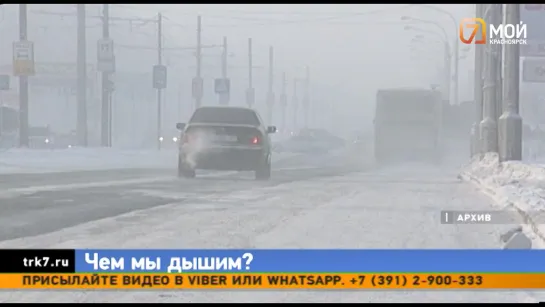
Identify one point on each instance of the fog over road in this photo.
(311, 202)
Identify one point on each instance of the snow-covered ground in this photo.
(515, 186)
(82, 159)
(386, 208)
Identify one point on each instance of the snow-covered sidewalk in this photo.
(515, 186)
(83, 159)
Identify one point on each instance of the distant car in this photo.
(303, 144)
(361, 144)
(170, 140)
(225, 138)
(64, 140)
(40, 138)
(323, 135)
(360, 140)
(310, 141)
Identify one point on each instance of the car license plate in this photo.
(225, 138)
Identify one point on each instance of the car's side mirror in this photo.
(271, 129)
(180, 126)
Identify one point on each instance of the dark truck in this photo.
(408, 125)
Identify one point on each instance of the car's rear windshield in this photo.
(225, 116)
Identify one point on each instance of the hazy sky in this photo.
(352, 49)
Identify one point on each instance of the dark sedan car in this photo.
(225, 138)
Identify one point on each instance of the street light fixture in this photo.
(426, 39)
(424, 21)
(447, 57)
(416, 29)
(446, 39)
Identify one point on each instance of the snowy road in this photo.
(33, 204)
(309, 203)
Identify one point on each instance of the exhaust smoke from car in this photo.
(199, 143)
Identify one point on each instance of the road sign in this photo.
(105, 49)
(250, 97)
(105, 55)
(106, 66)
(159, 76)
(197, 87)
(533, 16)
(23, 58)
(222, 85)
(4, 82)
(534, 48)
(533, 70)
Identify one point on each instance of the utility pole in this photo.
(82, 77)
(224, 96)
(510, 122)
(106, 127)
(295, 103)
(488, 126)
(455, 76)
(478, 89)
(284, 101)
(250, 93)
(270, 94)
(23, 82)
(499, 77)
(197, 87)
(159, 89)
(250, 66)
(224, 58)
(306, 98)
(447, 73)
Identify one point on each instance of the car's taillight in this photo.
(255, 140)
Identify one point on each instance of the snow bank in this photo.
(71, 159)
(80, 159)
(514, 185)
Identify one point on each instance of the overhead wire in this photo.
(274, 22)
(228, 9)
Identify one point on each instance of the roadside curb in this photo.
(528, 220)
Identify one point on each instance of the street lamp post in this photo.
(455, 54)
(510, 122)
(478, 92)
(488, 126)
(447, 56)
(455, 75)
(447, 62)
